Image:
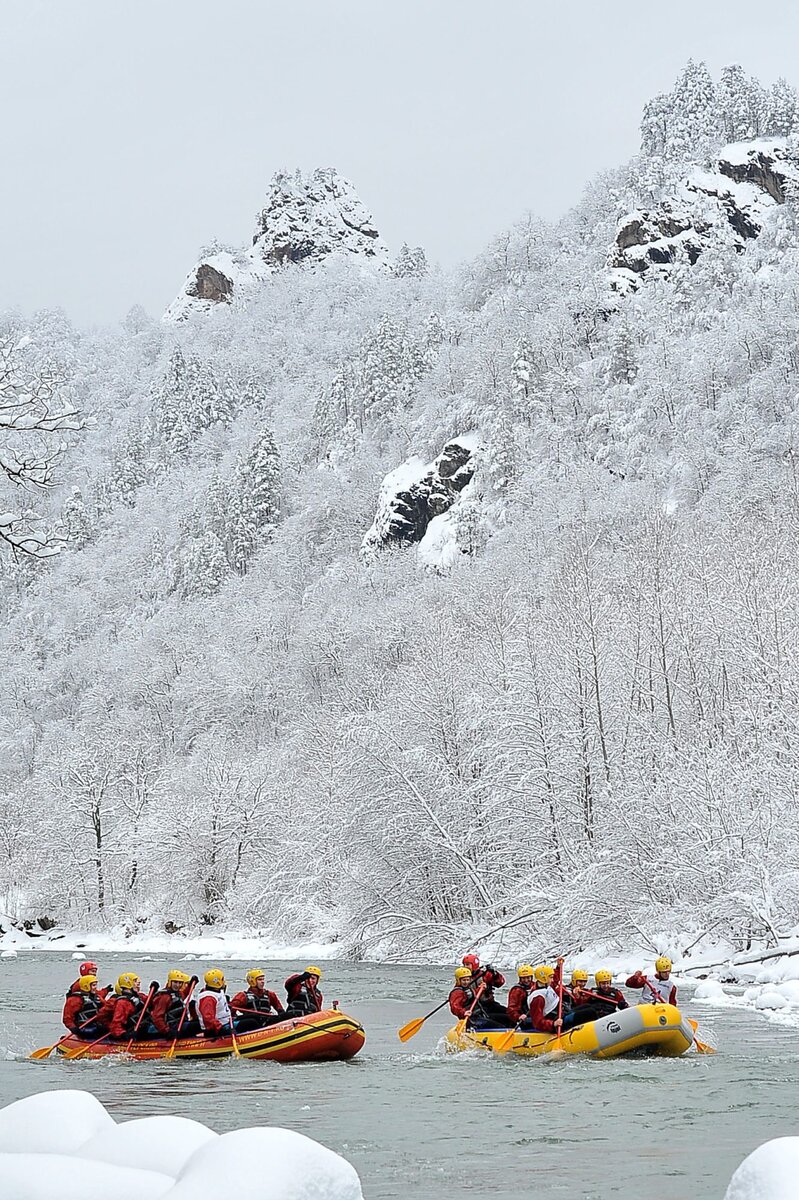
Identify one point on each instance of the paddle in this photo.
(559, 974)
(702, 1047)
(412, 1028)
(46, 1051)
(460, 1027)
(192, 985)
(144, 1007)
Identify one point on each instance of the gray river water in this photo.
(417, 1123)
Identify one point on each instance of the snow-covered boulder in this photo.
(710, 990)
(298, 1169)
(162, 1144)
(64, 1177)
(771, 1172)
(770, 998)
(306, 219)
(53, 1122)
(65, 1144)
(417, 492)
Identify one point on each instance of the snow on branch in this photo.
(31, 406)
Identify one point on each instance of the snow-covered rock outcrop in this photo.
(306, 219)
(771, 1172)
(731, 202)
(65, 1144)
(414, 495)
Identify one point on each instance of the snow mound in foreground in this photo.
(64, 1143)
(769, 1173)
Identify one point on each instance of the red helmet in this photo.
(88, 968)
(471, 960)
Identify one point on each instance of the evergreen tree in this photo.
(76, 520)
(782, 110)
(205, 565)
(410, 262)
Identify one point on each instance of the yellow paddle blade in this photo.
(43, 1051)
(410, 1030)
(506, 1042)
(702, 1047)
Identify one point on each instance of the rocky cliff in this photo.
(728, 203)
(306, 219)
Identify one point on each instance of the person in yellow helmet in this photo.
(81, 1008)
(256, 1007)
(167, 1008)
(519, 995)
(303, 993)
(658, 989)
(122, 1009)
(577, 988)
(213, 1009)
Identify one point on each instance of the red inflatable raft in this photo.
(321, 1036)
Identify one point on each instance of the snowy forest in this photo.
(363, 601)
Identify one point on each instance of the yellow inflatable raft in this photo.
(646, 1028)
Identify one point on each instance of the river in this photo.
(418, 1124)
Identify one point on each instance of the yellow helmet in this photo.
(603, 975)
(462, 973)
(177, 977)
(543, 975)
(85, 983)
(215, 978)
(253, 974)
(525, 971)
(313, 971)
(127, 982)
(579, 976)
(663, 963)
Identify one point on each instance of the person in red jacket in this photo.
(577, 988)
(256, 1007)
(81, 1008)
(303, 993)
(659, 990)
(121, 1010)
(213, 1009)
(607, 999)
(168, 1007)
(490, 978)
(463, 996)
(87, 968)
(544, 1004)
(519, 995)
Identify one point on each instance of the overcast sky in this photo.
(134, 131)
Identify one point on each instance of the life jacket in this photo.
(551, 1001)
(89, 1007)
(302, 999)
(663, 988)
(260, 1002)
(608, 1001)
(222, 1007)
(174, 1010)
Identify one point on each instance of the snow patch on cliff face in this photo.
(65, 1144)
(306, 219)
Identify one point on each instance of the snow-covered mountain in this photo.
(399, 603)
(306, 219)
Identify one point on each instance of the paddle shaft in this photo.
(193, 983)
(48, 1050)
(144, 1007)
(411, 1029)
